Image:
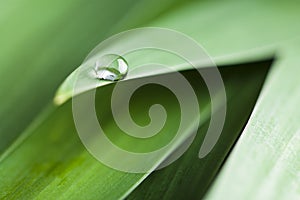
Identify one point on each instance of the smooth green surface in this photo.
(190, 177)
(41, 43)
(265, 163)
(52, 162)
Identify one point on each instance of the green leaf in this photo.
(51, 161)
(42, 42)
(265, 161)
(190, 177)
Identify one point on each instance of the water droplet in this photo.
(111, 67)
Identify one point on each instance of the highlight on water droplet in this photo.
(111, 67)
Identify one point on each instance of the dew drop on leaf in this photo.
(111, 67)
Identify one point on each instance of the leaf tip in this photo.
(58, 100)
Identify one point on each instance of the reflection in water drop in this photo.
(111, 67)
